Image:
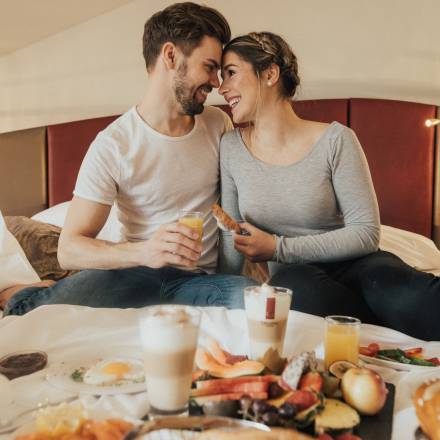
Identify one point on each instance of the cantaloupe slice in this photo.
(205, 361)
(222, 356)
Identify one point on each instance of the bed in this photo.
(403, 156)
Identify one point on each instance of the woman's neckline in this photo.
(292, 164)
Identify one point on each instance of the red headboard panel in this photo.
(67, 145)
(323, 110)
(400, 153)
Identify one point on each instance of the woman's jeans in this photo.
(378, 289)
(134, 287)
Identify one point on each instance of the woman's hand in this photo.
(258, 246)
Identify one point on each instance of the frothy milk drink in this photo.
(169, 340)
(267, 310)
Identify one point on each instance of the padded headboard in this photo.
(401, 153)
(67, 145)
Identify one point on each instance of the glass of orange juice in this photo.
(194, 220)
(341, 339)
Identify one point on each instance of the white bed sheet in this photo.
(75, 329)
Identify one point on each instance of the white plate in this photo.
(398, 365)
(59, 375)
(91, 413)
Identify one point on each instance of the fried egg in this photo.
(112, 371)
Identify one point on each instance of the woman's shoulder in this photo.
(230, 139)
(332, 133)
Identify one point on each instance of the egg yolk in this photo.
(117, 369)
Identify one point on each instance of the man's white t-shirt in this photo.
(150, 176)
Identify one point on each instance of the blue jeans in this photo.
(378, 288)
(134, 287)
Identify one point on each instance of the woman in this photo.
(305, 192)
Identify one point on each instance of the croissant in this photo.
(225, 220)
(427, 404)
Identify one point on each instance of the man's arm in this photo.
(79, 249)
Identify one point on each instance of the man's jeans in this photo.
(134, 287)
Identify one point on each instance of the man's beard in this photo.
(182, 91)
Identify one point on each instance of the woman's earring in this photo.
(269, 83)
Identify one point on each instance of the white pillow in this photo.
(15, 267)
(414, 249)
(56, 215)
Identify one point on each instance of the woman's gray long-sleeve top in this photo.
(322, 208)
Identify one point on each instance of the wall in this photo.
(377, 48)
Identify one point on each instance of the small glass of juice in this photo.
(341, 339)
(194, 220)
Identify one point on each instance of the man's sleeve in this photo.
(228, 123)
(99, 175)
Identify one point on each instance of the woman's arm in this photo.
(357, 203)
(229, 260)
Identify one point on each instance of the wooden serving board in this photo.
(380, 426)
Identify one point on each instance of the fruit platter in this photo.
(292, 393)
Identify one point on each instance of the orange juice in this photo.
(341, 339)
(193, 220)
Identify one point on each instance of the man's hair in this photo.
(183, 24)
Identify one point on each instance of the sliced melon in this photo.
(205, 361)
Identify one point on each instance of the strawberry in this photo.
(302, 399)
(311, 381)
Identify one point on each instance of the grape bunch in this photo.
(263, 412)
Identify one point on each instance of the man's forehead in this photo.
(210, 49)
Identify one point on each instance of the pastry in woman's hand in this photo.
(224, 221)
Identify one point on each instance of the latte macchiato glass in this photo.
(169, 335)
(267, 311)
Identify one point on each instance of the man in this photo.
(157, 158)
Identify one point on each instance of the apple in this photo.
(364, 390)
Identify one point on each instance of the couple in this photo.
(303, 187)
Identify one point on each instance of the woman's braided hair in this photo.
(262, 49)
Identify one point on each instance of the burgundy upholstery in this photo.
(400, 153)
(67, 145)
(323, 110)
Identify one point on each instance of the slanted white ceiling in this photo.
(23, 22)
